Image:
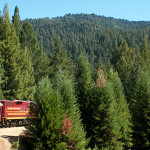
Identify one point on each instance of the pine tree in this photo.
(10, 50)
(38, 57)
(1, 77)
(124, 70)
(122, 109)
(84, 85)
(141, 110)
(125, 65)
(45, 130)
(59, 60)
(120, 51)
(1, 28)
(26, 88)
(18, 72)
(65, 85)
(111, 116)
(123, 50)
(105, 120)
(16, 21)
(145, 51)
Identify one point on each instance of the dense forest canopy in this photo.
(97, 36)
(88, 74)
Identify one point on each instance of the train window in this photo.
(19, 103)
(10, 104)
(27, 104)
(22, 108)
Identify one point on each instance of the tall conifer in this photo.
(16, 21)
(10, 50)
(105, 121)
(1, 77)
(18, 78)
(26, 87)
(71, 107)
(122, 109)
(1, 28)
(45, 130)
(145, 51)
(59, 60)
(84, 85)
(39, 59)
(141, 110)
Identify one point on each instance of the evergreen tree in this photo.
(84, 85)
(122, 109)
(10, 50)
(60, 61)
(16, 21)
(106, 129)
(1, 28)
(45, 130)
(125, 65)
(39, 59)
(145, 52)
(141, 110)
(26, 88)
(66, 88)
(18, 72)
(124, 70)
(123, 50)
(1, 77)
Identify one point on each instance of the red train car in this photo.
(14, 112)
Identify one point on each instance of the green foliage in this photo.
(18, 76)
(124, 71)
(97, 36)
(65, 85)
(122, 109)
(145, 52)
(83, 87)
(10, 50)
(101, 108)
(15, 144)
(123, 50)
(39, 59)
(1, 28)
(141, 110)
(51, 105)
(1, 77)
(26, 87)
(16, 21)
(111, 119)
(59, 60)
(106, 133)
(46, 128)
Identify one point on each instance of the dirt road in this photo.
(8, 135)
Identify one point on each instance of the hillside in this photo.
(101, 101)
(97, 36)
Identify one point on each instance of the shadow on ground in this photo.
(22, 144)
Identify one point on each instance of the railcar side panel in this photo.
(14, 111)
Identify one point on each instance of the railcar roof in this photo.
(3, 100)
(13, 100)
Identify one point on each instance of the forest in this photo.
(88, 74)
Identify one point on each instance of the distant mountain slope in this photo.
(97, 36)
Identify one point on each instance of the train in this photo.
(14, 112)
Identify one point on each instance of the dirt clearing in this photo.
(8, 136)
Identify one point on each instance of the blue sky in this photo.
(125, 9)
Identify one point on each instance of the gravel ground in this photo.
(8, 135)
